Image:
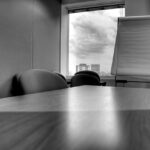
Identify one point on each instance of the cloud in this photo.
(91, 33)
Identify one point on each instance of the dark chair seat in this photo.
(84, 79)
(90, 73)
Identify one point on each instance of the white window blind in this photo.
(132, 49)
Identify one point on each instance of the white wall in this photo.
(29, 37)
(15, 36)
(46, 34)
(137, 7)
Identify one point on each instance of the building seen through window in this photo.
(92, 36)
(93, 67)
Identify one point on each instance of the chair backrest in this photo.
(84, 79)
(89, 72)
(36, 80)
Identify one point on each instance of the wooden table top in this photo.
(79, 118)
(83, 98)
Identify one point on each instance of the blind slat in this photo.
(132, 50)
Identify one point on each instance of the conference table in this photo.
(79, 118)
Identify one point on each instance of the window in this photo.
(88, 34)
(92, 37)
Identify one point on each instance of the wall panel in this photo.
(15, 40)
(137, 7)
(29, 37)
(46, 35)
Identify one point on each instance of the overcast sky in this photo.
(92, 38)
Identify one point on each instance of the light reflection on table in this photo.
(100, 128)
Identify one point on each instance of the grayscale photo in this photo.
(74, 74)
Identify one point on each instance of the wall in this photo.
(137, 7)
(15, 37)
(46, 34)
(29, 37)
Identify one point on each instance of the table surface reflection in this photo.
(79, 118)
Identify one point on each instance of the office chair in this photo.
(35, 80)
(92, 73)
(84, 79)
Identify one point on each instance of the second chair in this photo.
(84, 79)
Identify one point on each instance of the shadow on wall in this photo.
(148, 5)
(54, 12)
(9, 87)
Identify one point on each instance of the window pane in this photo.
(92, 38)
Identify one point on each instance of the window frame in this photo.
(65, 10)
